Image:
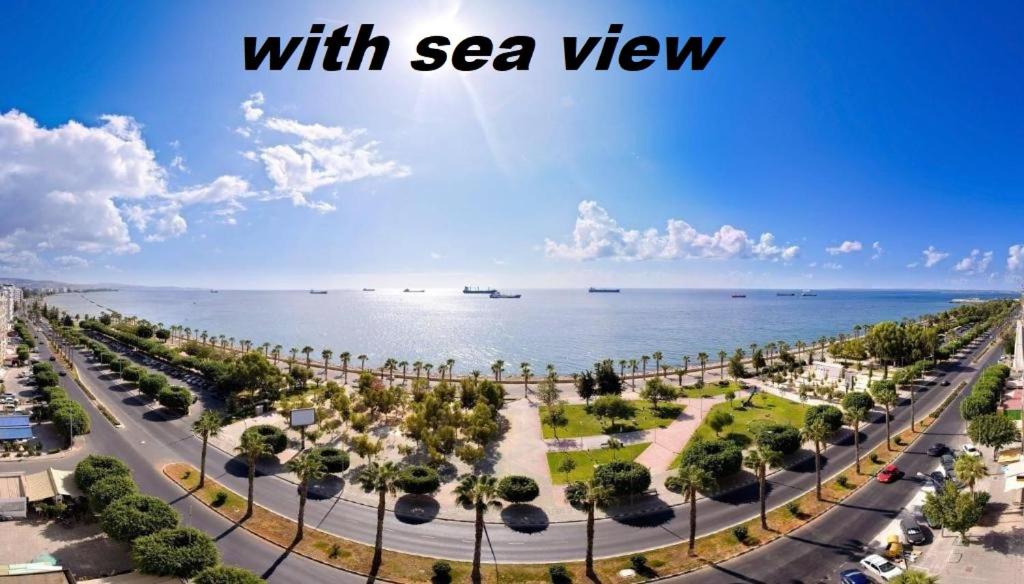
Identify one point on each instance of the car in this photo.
(63, 373)
(945, 382)
(948, 460)
(970, 450)
(938, 478)
(889, 474)
(912, 531)
(881, 567)
(53, 358)
(853, 577)
(937, 449)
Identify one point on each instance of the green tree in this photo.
(207, 426)
(95, 467)
(586, 386)
(307, 467)
(109, 489)
(857, 405)
(181, 552)
(718, 420)
(567, 466)
(817, 431)
(612, 407)
(656, 390)
(884, 393)
(993, 430)
(226, 575)
(481, 493)
(691, 480)
(134, 516)
(760, 459)
(591, 495)
(252, 447)
(957, 511)
(970, 469)
(383, 479)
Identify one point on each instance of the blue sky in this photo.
(816, 124)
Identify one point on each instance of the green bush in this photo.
(842, 481)
(639, 563)
(132, 373)
(152, 383)
(175, 398)
(793, 508)
(740, 532)
(418, 480)
(574, 493)
(69, 418)
(272, 436)
(110, 489)
(874, 458)
(181, 552)
(226, 575)
(94, 467)
(135, 516)
(442, 572)
(559, 574)
(623, 477)
(335, 459)
(782, 438)
(220, 498)
(720, 458)
(518, 489)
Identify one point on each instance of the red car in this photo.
(889, 474)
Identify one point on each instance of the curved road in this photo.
(165, 440)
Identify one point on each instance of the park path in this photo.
(667, 443)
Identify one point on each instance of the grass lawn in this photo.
(712, 389)
(1012, 414)
(765, 407)
(581, 423)
(586, 459)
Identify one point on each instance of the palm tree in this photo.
(691, 480)
(276, 353)
(970, 469)
(552, 374)
(475, 374)
(657, 355)
(760, 459)
(593, 496)
(817, 432)
(497, 369)
(266, 349)
(643, 365)
(345, 358)
(252, 447)
(703, 358)
(633, 364)
(308, 467)
(417, 366)
(622, 367)
(442, 369)
(381, 478)
(405, 367)
(524, 368)
(481, 493)
(855, 413)
(206, 426)
(295, 353)
(721, 364)
(326, 355)
(886, 397)
(451, 369)
(362, 362)
(307, 350)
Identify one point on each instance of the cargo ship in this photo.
(593, 290)
(410, 290)
(318, 291)
(497, 294)
(468, 290)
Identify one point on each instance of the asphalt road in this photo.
(161, 439)
(137, 449)
(838, 540)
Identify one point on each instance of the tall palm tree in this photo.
(498, 368)
(622, 367)
(295, 354)
(691, 480)
(276, 353)
(633, 364)
(326, 355)
(970, 469)
(658, 356)
(451, 369)
(381, 478)
(362, 362)
(252, 447)
(427, 367)
(702, 359)
(307, 351)
(885, 395)
(205, 335)
(207, 426)
(442, 369)
(760, 459)
(855, 412)
(643, 365)
(552, 374)
(524, 368)
(594, 495)
(266, 349)
(345, 358)
(475, 374)
(481, 493)
(308, 467)
(405, 367)
(417, 366)
(721, 364)
(818, 433)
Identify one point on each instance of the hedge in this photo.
(720, 458)
(226, 575)
(109, 489)
(335, 459)
(181, 552)
(418, 480)
(137, 515)
(519, 489)
(94, 467)
(274, 437)
(623, 477)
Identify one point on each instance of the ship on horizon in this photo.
(318, 291)
(497, 294)
(410, 290)
(477, 290)
(369, 289)
(594, 290)
(808, 293)
(785, 293)
(739, 295)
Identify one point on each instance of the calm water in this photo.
(568, 328)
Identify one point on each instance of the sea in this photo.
(570, 329)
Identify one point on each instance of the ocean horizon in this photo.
(568, 328)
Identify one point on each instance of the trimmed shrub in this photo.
(518, 489)
(272, 436)
(132, 373)
(574, 493)
(779, 437)
(442, 571)
(335, 459)
(830, 415)
(109, 489)
(226, 575)
(68, 417)
(720, 458)
(418, 480)
(152, 383)
(94, 467)
(175, 398)
(137, 515)
(559, 574)
(639, 563)
(623, 477)
(181, 552)
(740, 532)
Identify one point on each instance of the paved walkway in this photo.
(666, 444)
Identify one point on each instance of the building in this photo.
(15, 428)
(12, 496)
(1017, 365)
(35, 573)
(9, 295)
(18, 490)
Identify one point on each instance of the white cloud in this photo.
(1015, 258)
(975, 263)
(316, 156)
(832, 266)
(251, 107)
(933, 256)
(845, 247)
(178, 162)
(597, 235)
(913, 265)
(71, 262)
(877, 247)
(435, 256)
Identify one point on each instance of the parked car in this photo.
(937, 449)
(945, 382)
(881, 567)
(889, 474)
(970, 450)
(912, 531)
(853, 577)
(52, 358)
(948, 461)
